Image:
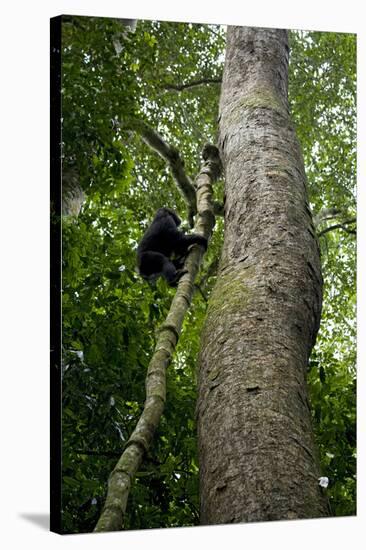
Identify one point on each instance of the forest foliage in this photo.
(168, 75)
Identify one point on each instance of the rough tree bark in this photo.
(257, 456)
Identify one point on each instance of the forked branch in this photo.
(171, 155)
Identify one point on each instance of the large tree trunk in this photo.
(257, 456)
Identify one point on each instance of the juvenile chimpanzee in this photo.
(163, 248)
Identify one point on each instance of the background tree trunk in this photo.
(257, 456)
(73, 196)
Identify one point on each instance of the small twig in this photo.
(211, 270)
(197, 286)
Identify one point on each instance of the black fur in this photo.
(163, 248)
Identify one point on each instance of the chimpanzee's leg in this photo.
(187, 240)
(178, 261)
(169, 271)
(153, 264)
(150, 263)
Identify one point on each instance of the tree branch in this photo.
(86, 452)
(171, 155)
(326, 214)
(121, 478)
(339, 226)
(192, 84)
